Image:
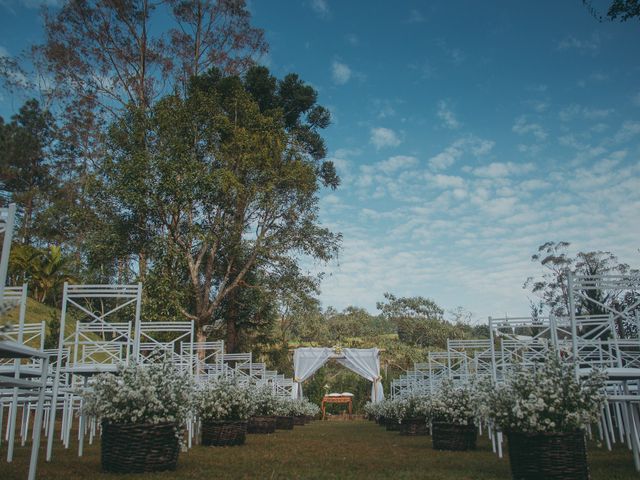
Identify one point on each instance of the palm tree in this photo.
(50, 274)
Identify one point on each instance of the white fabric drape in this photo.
(306, 362)
(366, 363)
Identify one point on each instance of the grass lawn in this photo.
(320, 450)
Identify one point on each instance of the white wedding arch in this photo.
(363, 361)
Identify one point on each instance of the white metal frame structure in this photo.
(154, 337)
(73, 296)
(7, 223)
(207, 358)
(624, 380)
(468, 358)
(17, 351)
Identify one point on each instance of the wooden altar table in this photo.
(336, 399)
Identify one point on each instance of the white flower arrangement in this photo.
(264, 401)
(140, 394)
(303, 407)
(373, 410)
(548, 399)
(394, 410)
(453, 404)
(416, 406)
(286, 407)
(223, 400)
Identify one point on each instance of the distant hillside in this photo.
(38, 312)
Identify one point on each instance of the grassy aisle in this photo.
(321, 450)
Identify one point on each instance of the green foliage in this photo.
(552, 286)
(339, 380)
(228, 191)
(621, 10)
(624, 10)
(419, 321)
(26, 149)
(45, 269)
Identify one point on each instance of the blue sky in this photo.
(466, 134)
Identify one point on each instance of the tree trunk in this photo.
(142, 265)
(231, 342)
(200, 337)
(26, 224)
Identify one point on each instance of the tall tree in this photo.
(26, 145)
(419, 320)
(223, 185)
(213, 34)
(101, 57)
(111, 54)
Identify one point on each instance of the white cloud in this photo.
(448, 181)
(579, 111)
(447, 157)
(321, 7)
(628, 130)
(478, 238)
(398, 162)
(340, 72)
(447, 116)
(498, 170)
(478, 147)
(534, 184)
(384, 137)
(539, 106)
(522, 127)
(589, 46)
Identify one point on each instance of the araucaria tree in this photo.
(226, 180)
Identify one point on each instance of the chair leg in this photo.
(11, 427)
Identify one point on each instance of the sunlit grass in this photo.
(321, 450)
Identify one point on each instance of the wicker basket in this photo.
(391, 425)
(138, 448)
(262, 424)
(414, 427)
(548, 456)
(223, 433)
(299, 420)
(284, 423)
(451, 436)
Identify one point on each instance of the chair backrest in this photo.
(172, 340)
(7, 222)
(107, 322)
